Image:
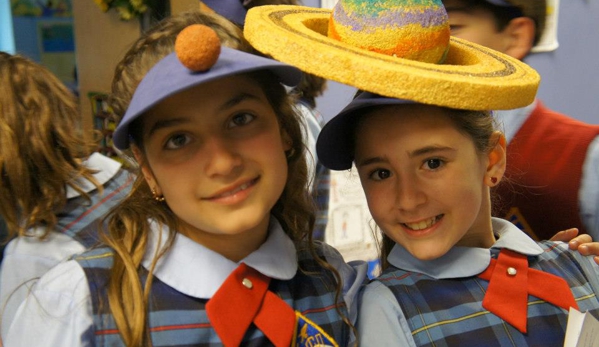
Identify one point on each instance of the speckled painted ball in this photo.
(410, 29)
(197, 47)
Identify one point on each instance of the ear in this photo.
(146, 170)
(520, 35)
(287, 141)
(497, 160)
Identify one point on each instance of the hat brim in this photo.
(169, 77)
(335, 141)
(472, 77)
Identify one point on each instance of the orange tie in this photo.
(244, 298)
(510, 282)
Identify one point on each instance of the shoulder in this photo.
(56, 246)
(57, 309)
(381, 321)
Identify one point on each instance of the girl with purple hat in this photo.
(213, 245)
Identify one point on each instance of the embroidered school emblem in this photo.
(308, 334)
(515, 216)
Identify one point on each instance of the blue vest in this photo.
(176, 319)
(81, 218)
(449, 312)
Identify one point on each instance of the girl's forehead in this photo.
(398, 115)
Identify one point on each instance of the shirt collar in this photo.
(197, 271)
(105, 169)
(466, 261)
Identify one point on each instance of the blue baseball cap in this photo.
(335, 144)
(169, 76)
(233, 10)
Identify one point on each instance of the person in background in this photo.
(306, 92)
(553, 160)
(55, 187)
(213, 245)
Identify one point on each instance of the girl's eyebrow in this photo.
(237, 99)
(416, 153)
(429, 150)
(232, 102)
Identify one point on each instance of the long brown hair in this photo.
(128, 225)
(42, 145)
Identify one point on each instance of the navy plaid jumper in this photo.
(449, 312)
(80, 218)
(176, 319)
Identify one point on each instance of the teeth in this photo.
(422, 225)
(240, 188)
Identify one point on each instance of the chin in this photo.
(429, 253)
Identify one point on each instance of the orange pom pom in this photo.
(197, 47)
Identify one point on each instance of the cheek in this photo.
(379, 202)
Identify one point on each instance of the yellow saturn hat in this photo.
(395, 48)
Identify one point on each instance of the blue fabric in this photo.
(180, 320)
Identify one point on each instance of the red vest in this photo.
(544, 169)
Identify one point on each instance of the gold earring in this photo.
(156, 196)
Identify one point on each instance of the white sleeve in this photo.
(26, 259)
(381, 321)
(57, 312)
(310, 134)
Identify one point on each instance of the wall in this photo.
(101, 40)
(7, 42)
(570, 75)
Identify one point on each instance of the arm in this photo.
(381, 321)
(582, 243)
(57, 312)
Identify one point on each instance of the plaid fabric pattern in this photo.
(80, 218)
(320, 195)
(449, 312)
(179, 320)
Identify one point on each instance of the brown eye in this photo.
(241, 119)
(380, 174)
(177, 141)
(433, 164)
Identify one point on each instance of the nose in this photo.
(222, 157)
(409, 195)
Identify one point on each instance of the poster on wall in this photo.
(41, 8)
(57, 48)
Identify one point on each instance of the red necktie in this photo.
(510, 282)
(244, 298)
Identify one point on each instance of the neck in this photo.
(233, 247)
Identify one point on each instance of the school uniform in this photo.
(320, 186)
(441, 299)
(188, 275)
(559, 189)
(27, 258)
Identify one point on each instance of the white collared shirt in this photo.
(63, 293)
(27, 258)
(381, 321)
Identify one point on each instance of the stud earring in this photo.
(290, 153)
(493, 180)
(156, 196)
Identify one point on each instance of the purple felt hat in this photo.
(335, 144)
(233, 10)
(169, 76)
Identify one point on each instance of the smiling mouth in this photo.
(235, 191)
(425, 224)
